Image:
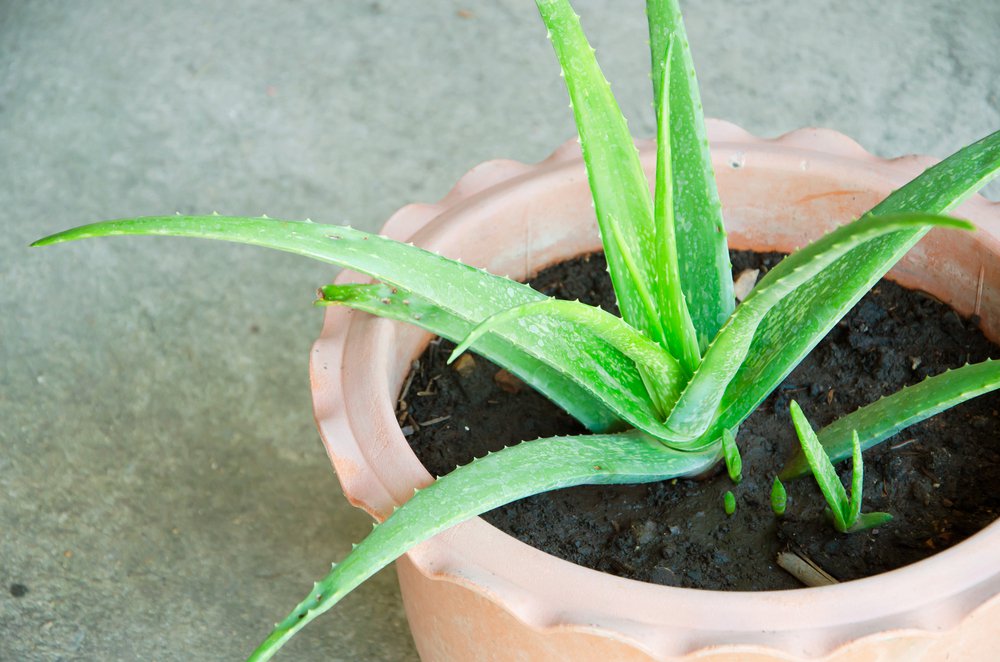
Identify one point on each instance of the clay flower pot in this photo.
(476, 593)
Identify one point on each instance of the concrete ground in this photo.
(163, 492)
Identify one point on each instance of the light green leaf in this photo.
(665, 375)
(731, 453)
(399, 304)
(698, 405)
(729, 502)
(617, 182)
(779, 497)
(794, 326)
(882, 419)
(857, 481)
(681, 337)
(511, 474)
(822, 469)
(705, 270)
(457, 289)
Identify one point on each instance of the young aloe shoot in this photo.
(846, 512)
(734, 463)
(729, 502)
(779, 497)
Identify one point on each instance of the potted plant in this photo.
(664, 388)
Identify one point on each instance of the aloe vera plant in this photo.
(663, 388)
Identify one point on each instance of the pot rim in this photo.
(928, 596)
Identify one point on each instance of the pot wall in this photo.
(475, 593)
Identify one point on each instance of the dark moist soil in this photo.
(938, 479)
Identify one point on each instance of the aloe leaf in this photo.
(822, 469)
(466, 292)
(681, 337)
(665, 374)
(399, 304)
(794, 326)
(486, 483)
(882, 419)
(705, 270)
(869, 521)
(857, 481)
(617, 182)
(699, 403)
(731, 453)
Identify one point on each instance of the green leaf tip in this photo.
(731, 453)
(729, 502)
(779, 497)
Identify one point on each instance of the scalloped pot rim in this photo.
(355, 388)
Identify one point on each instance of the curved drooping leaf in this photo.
(882, 419)
(663, 374)
(681, 336)
(404, 306)
(492, 481)
(457, 289)
(705, 270)
(698, 405)
(617, 182)
(797, 323)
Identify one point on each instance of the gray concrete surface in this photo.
(163, 493)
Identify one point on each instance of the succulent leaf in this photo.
(796, 324)
(882, 419)
(705, 270)
(681, 337)
(699, 403)
(618, 183)
(486, 483)
(402, 305)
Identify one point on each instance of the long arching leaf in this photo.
(698, 405)
(404, 306)
(822, 469)
(456, 289)
(795, 325)
(882, 419)
(486, 483)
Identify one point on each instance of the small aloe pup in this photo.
(662, 389)
(845, 512)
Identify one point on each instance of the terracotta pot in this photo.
(475, 593)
